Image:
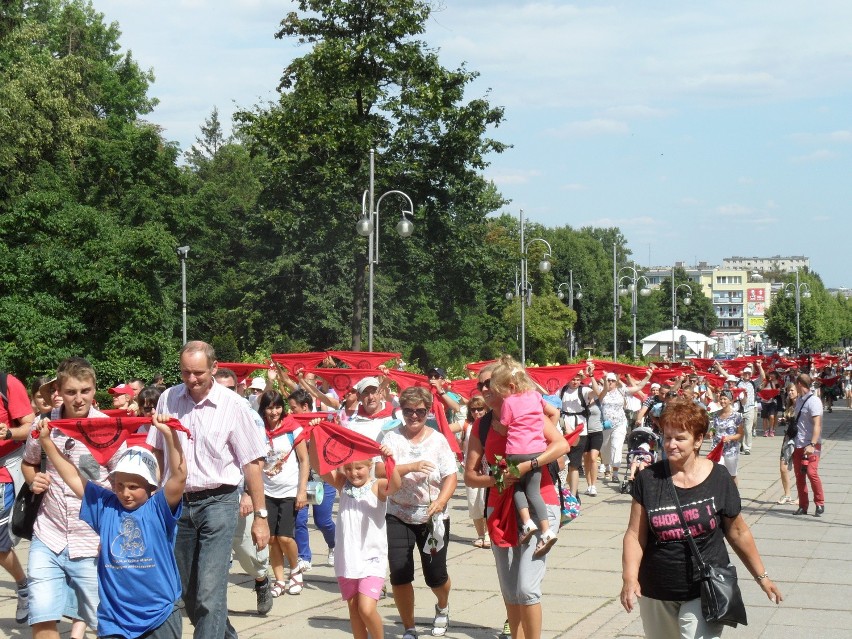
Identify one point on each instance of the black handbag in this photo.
(26, 508)
(721, 599)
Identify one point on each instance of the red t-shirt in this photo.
(19, 406)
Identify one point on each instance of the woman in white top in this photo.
(285, 484)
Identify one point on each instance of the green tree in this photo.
(368, 82)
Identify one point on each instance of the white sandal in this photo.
(295, 583)
(278, 589)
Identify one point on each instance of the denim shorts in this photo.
(51, 597)
(7, 501)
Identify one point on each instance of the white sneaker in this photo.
(331, 557)
(304, 566)
(23, 609)
(601, 469)
(615, 476)
(591, 491)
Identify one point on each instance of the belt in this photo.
(224, 489)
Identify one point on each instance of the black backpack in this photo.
(4, 390)
(582, 396)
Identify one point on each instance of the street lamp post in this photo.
(797, 291)
(686, 300)
(524, 286)
(629, 283)
(570, 284)
(183, 252)
(368, 226)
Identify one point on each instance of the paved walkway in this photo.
(809, 558)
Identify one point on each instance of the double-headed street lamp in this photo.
(629, 283)
(571, 296)
(368, 226)
(524, 286)
(799, 290)
(686, 300)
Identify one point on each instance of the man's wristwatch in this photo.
(262, 513)
(9, 433)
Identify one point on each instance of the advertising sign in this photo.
(756, 295)
(756, 323)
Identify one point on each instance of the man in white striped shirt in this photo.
(225, 446)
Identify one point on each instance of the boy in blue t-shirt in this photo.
(138, 579)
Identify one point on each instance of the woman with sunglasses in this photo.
(476, 408)
(417, 514)
(519, 572)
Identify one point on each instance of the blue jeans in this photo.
(205, 534)
(323, 520)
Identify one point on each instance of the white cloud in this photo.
(690, 201)
(734, 210)
(503, 177)
(574, 187)
(840, 136)
(745, 180)
(820, 155)
(597, 126)
(636, 112)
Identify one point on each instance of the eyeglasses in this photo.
(484, 384)
(411, 412)
(148, 408)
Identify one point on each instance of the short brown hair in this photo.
(804, 379)
(75, 367)
(415, 395)
(685, 415)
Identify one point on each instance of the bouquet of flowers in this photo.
(499, 468)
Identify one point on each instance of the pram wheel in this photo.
(626, 486)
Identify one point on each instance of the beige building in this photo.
(739, 297)
(784, 264)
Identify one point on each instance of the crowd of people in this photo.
(227, 468)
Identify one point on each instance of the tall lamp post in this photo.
(629, 283)
(183, 252)
(570, 284)
(799, 290)
(686, 300)
(524, 285)
(368, 226)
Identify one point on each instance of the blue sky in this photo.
(701, 129)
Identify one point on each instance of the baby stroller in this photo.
(641, 446)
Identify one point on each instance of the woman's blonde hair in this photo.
(508, 371)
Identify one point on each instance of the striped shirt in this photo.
(58, 523)
(224, 437)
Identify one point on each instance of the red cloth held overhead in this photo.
(342, 379)
(363, 359)
(241, 369)
(404, 379)
(636, 372)
(294, 362)
(552, 378)
(103, 436)
(467, 388)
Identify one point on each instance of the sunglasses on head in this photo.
(411, 412)
(484, 384)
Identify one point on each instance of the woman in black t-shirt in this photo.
(658, 566)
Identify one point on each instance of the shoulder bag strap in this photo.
(692, 545)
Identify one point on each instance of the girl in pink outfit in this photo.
(522, 415)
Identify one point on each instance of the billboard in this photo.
(756, 295)
(756, 309)
(756, 323)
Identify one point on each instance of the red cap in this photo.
(122, 389)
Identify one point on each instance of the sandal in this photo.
(785, 499)
(278, 589)
(441, 622)
(486, 543)
(295, 583)
(527, 532)
(479, 542)
(548, 538)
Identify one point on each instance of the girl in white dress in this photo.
(360, 540)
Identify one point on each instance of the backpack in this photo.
(4, 389)
(583, 404)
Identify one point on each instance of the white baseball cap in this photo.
(137, 460)
(367, 382)
(258, 383)
(611, 376)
